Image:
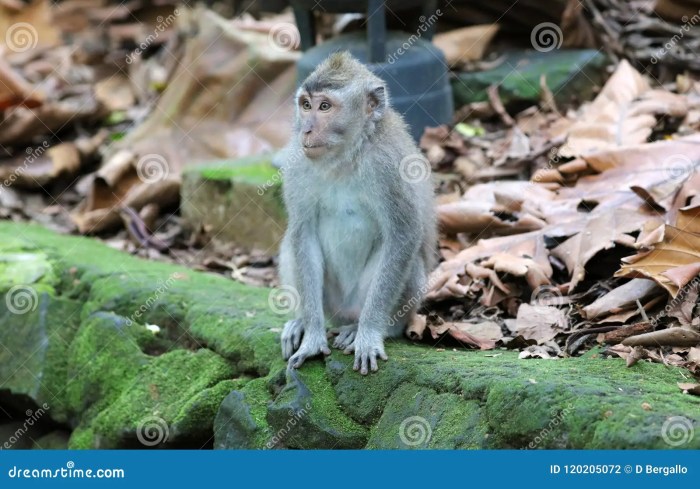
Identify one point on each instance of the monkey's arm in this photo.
(308, 272)
(401, 241)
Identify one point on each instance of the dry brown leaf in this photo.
(694, 355)
(672, 263)
(15, 90)
(540, 323)
(482, 335)
(465, 44)
(482, 338)
(30, 28)
(608, 121)
(689, 388)
(535, 273)
(445, 279)
(665, 337)
(602, 232)
(115, 92)
(481, 206)
(620, 298)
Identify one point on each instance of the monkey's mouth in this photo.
(314, 150)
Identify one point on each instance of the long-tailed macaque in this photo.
(361, 235)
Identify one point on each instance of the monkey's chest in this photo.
(349, 238)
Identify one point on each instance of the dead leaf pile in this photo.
(124, 95)
(602, 243)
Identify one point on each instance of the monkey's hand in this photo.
(306, 343)
(367, 348)
(344, 336)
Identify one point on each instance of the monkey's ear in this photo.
(376, 102)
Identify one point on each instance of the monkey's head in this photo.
(338, 105)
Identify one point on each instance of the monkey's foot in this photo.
(345, 335)
(367, 349)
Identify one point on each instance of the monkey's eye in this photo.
(325, 106)
(306, 105)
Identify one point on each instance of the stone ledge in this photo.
(213, 374)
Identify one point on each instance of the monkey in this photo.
(361, 234)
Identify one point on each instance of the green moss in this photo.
(255, 170)
(324, 403)
(241, 420)
(306, 414)
(81, 439)
(100, 369)
(24, 268)
(363, 398)
(104, 359)
(169, 389)
(418, 418)
(258, 396)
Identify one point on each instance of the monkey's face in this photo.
(322, 124)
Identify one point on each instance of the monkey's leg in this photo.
(369, 343)
(305, 336)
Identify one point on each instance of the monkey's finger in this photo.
(325, 350)
(350, 350)
(296, 339)
(286, 349)
(373, 363)
(383, 355)
(361, 363)
(297, 361)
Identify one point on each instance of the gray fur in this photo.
(361, 240)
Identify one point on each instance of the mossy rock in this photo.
(306, 414)
(212, 375)
(237, 202)
(35, 346)
(86, 350)
(170, 402)
(571, 75)
(241, 419)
